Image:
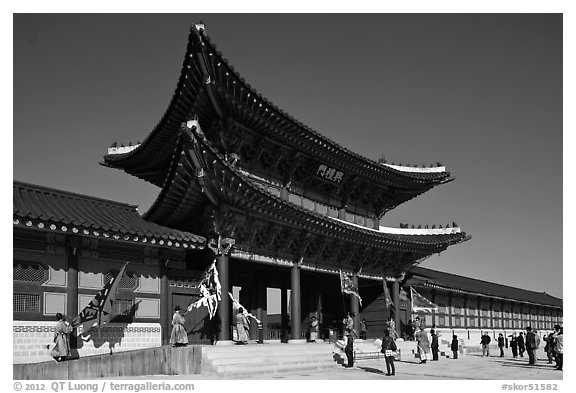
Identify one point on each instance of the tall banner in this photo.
(420, 303)
(348, 286)
(100, 309)
(387, 296)
(210, 291)
(236, 305)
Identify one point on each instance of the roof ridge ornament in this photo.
(199, 26)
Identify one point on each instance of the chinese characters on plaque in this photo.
(325, 172)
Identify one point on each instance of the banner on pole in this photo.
(420, 303)
(100, 310)
(210, 291)
(348, 286)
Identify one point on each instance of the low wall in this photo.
(165, 360)
(32, 340)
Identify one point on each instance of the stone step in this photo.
(274, 369)
(236, 361)
(268, 358)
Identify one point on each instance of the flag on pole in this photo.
(100, 309)
(387, 296)
(348, 286)
(236, 305)
(420, 303)
(210, 291)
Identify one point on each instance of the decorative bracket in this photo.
(221, 246)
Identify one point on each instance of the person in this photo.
(363, 329)
(178, 337)
(514, 345)
(242, 326)
(501, 343)
(348, 323)
(549, 347)
(313, 329)
(521, 344)
(559, 346)
(410, 330)
(389, 350)
(454, 346)
(392, 328)
(349, 350)
(423, 345)
(434, 344)
(62, 330)
(531, 345)
(485, 341)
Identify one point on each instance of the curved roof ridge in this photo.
(57, 191)
(322, 138)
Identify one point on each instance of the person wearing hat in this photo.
(62, 331)
(179, 337)
(349, 350)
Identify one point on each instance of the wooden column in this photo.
(222, 264)
(261, 306)
(355, 306)
(164, 303)
(72, 289)
(295, 302)
(450, 312)
(283, 314)
(396, 301)
(465, 312)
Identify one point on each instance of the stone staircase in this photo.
(236, 361)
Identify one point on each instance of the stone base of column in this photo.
(225, 342)
(299, 341)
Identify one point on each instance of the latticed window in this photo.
(122, 307)
(23, 302)
(441, 309)
(485, 313)
(458, 321)
(29, 272)
(457, 310)
(129, 281)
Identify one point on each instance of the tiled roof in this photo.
(205, 68)
(444, 280)
(63, 211)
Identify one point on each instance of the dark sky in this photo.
(480, 93)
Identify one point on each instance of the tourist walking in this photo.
(549, 347)
(349, 350)
(559, 346)
(485, 342)
(363, 329)
(454, 346)
(434, 344)
(501, 343)
(389, 350)
(531, 345)
(242, 326)
(514, 345)
(423, 345)
(313, 329)
(62, 330)
(178, 337)
(521, 344)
